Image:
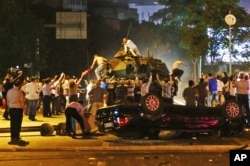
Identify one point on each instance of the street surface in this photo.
(109, 150)
(108, 158)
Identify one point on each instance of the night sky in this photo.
(246, 5)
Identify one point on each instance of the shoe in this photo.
(69, 134)
(12, 142)
(6, 118)
(73, 136)
(86, 136)
(87, 133)
(17, 141)
(32, 119)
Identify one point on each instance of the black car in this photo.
(151, 117)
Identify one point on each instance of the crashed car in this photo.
(151, 117)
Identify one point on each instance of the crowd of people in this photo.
(214, 90)
(54, 96)
(60, 95)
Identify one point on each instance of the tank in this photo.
(126, 66)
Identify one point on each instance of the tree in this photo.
(200, 25)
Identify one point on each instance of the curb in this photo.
(188, 148)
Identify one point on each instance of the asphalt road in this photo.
(109, 150)
(108, 158)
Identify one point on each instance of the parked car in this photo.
(151, 117)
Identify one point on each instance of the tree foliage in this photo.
(198, 26)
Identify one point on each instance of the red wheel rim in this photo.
(232, 109)
(152, 103)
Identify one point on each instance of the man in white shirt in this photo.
(145, 85)
(32, 91)
(129, 45)
(220, 86)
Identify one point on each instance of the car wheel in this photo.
(152, 105)
(232, 110)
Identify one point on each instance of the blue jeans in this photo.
(56, 105)
(32, 108)
(213, 95)
(99, 71)
(73, 124)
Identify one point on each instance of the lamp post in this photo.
(230, 20)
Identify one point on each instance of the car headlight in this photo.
(116, 112)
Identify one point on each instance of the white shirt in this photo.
(220, 85)
(89, 87)
(32, 90)
(15, 98)
(129, 44)
(176, 64)
(145, 87)
(46, 89)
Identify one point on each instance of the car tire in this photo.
(152, 105)
(232, 110)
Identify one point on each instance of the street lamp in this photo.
(230, 20)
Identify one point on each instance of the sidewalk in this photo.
(54, 120)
